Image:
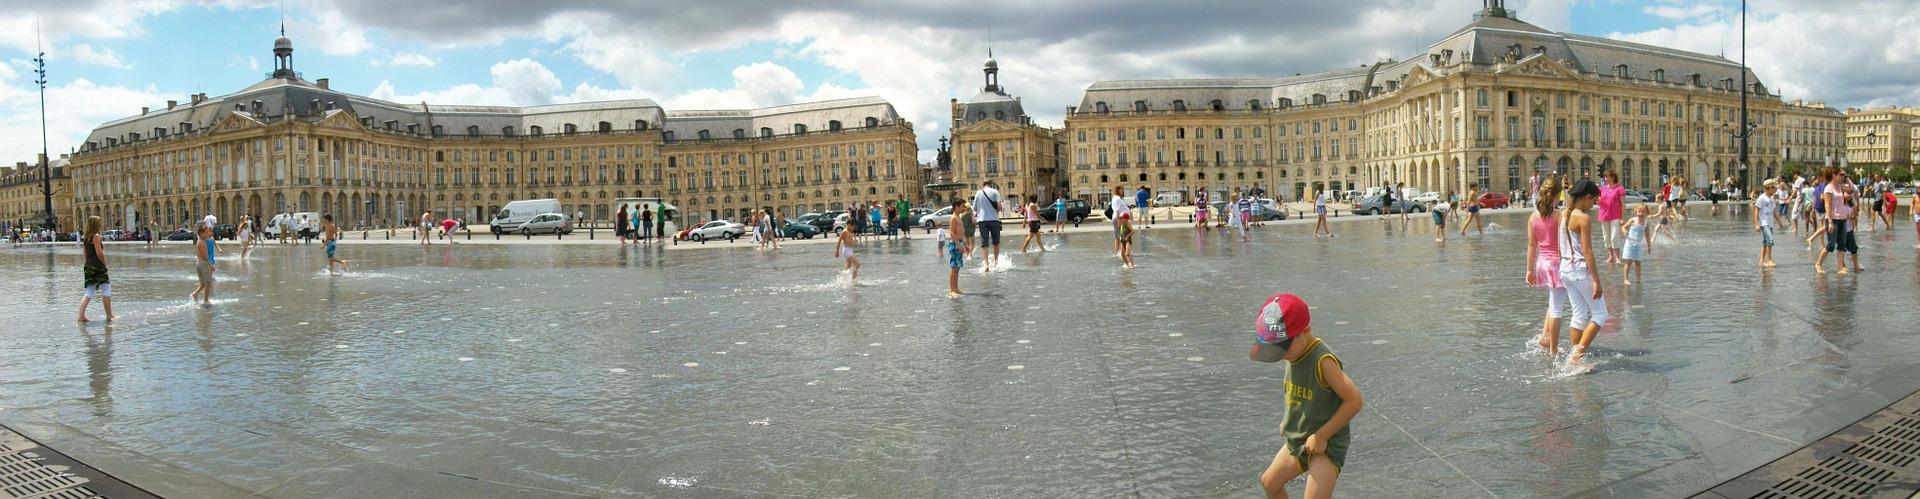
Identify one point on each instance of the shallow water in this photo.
(596, 370)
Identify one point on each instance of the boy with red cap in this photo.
(1321, 399)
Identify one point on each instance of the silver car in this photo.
(549, 223)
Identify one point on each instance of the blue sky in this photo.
(109, 58)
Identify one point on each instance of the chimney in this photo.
(143, 110)
(171, 104)
(322, 83)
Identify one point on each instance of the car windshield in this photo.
(503, 214)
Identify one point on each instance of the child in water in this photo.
(1125, 224)
(953, 244)
(1543, 262)
(1321, 399)
(1639, 243)
(1581, 283)
(331, 233)
(843, 248)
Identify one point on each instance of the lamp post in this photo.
(46, 172)
(1873, 138)
(1749, 125)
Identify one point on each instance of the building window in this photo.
(1480, 97)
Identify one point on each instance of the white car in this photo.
(718, 229)
(937, 219)
(546, 223)
(1427, 198)
(1632, 198)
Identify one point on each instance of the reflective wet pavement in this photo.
(524, 370)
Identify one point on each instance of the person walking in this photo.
(1200, 210)
(1608, 211)
(986, 212)
(646, 223)
(1320, 215)
(620, 224)
(330, 234)
(94, 273)
(204, 263)
(903, 210)
(1060, 214)
(1031, 213)
(1141, 202)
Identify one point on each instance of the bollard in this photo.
(528, 234)
(589, 233)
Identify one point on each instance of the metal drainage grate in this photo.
(1835, 477)
(1878, 456)
(25, 475)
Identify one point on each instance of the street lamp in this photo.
(46, 172)
(1748, 132)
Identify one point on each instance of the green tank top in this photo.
(1310, 403)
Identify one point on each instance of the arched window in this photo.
(534, 130)
(704, 135)
(1254, 104)
(1319, 99)
(1179, 106)
(437, 131)
(639, 125)
(606, 127)
(1100, 107)
(739, 133)
(873, 122)
(1000, 115)
(1284, 103)
(1216, 105)
(799, 129)
(473, 130)
(766, 132)
(1353, 96)
(833, 125)
(569, 129)
(668, 137)
(506, 130)
(1139, 106)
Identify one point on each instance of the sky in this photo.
(106, 59)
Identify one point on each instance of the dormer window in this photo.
(1694, 79)
(1660, 75)
(704, 135)
(739, 133)
(1179, 106)
(535, 130)
(506, 131)
(1254, 104)
(1283, 103)
(833, 125)
(1353, 96)
(606, 127)
(799, 129)
(873, 122)
(569, 129)
(1216, 105)
(1620, 71)
(1139, 106)
(1540, 49)
(473, 131)
(1319, 99)
(766, 132)
(1100, 107)
(667, 136)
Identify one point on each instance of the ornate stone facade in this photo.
(21, 202)
(1814, 134)
(1489, 105)
(1881, 137)
(995, 139)
(286, 144)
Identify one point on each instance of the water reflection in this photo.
(100, 369)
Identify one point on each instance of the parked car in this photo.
(113, 235)
(1077, 211)
(939, 219)
(1493, 200)
(1428, 198)
(180, 235)
(1632, 198)
(545, 223)
(797, 229)
(225, 231)
(718, 229)
(914, 215)
(509, 218)
(820, 222)
(1374, 205)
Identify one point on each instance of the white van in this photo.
(1169, 198)
(293, 223)
(672, 214)
(518, 212)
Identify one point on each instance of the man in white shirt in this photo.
(986, 215)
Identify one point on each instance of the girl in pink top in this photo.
(1609, 211)
(1543, 262)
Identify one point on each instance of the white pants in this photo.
(99, 291)
(1611, 229)
(1586, 308)
(1557, 303)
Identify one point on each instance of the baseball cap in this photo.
(1281, 319)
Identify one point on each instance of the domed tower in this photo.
(992, 69)
(283, 56)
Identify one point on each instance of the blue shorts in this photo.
(1766, 236)
(954, 259)
(330, 249)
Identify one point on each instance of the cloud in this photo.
(73, 109)
(518, 82)
(407, 59)
(86, 54)
(1682, 13)
(330, 32)
(58, 21)
(1809, 49)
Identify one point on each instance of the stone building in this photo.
(995, 139)
(1881, 137)
(1488, 105)
(288, 144)
(21, 201)
(1813, 134)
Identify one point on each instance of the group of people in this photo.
(637, 223)
(97, 283)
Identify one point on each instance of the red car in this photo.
(1493, 200)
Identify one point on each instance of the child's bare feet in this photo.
(1843, 270)
(1817, 269)
(1770, 264)
(83, 319)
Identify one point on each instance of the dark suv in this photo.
(1077, 210)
